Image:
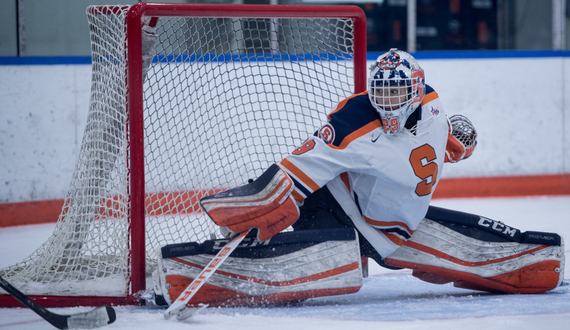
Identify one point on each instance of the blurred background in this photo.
(504, 64)
(59, 27)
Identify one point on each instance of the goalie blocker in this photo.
(265, 204)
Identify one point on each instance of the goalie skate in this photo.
(478, 253)
(291, 266)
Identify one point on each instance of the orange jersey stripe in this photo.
(300, 175)
(394, 238)
(358, 133)
(343, 103)
(430, 97)
(388, 224)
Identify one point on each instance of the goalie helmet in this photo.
(396, 87)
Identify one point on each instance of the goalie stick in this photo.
(98, 317)
(178, 307)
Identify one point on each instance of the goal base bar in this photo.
(63, 301)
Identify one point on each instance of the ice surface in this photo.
(388, 299)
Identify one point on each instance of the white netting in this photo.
(223, 99)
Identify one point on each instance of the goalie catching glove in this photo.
(265, 204)
(462, 139)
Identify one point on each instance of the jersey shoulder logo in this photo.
(434, 111)
(326, 133)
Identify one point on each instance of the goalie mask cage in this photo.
(228, 90)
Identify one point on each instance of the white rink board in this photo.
(517, 104)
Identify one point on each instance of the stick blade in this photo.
(98, 317)
(189, 312)
(172, 311)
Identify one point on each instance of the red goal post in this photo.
(112, 188)
(141, 10)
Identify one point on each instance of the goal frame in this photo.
(135, 106)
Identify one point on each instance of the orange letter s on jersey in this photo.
(424, 172)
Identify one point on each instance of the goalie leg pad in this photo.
(265, 203)
(291, 266)
(478, 253)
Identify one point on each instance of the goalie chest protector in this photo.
(291, 266)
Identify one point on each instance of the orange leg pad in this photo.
(535, 278)
(215, 296)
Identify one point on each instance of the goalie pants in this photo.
(321, 210)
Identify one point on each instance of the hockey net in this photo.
(230, 89)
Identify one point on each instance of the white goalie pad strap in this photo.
(443, 255)
(259, 273)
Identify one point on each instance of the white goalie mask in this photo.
(396, 87)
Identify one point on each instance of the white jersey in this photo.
(384, 183)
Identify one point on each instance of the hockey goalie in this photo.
(361, 187)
